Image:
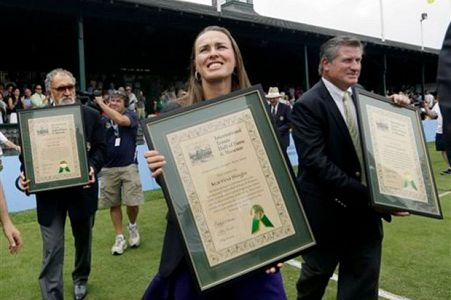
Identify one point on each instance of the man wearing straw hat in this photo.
(280, 113)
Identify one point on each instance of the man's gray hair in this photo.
(52, 74)
(329, 50)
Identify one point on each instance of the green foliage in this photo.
(416, 259)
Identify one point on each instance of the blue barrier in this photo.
(18, 201)
(429, 127)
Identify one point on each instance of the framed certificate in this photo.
(398, 168)
(229, 186)
(53, 147)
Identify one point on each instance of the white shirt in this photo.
(436, 109)
(337, 95)
(3, 140)
(274, 109)
(132, 102)
(429, 99)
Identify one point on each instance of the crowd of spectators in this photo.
(13, 97)
(25, 96)
(418, 100)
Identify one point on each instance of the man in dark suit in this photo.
(444, 88)
(79, 202)
(332, 188)
(280, 112)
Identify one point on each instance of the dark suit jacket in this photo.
(336, 203)
(79, 202)
(173, 250)
(282, 123)
(444, 87)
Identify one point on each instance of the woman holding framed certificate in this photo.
(216, 70)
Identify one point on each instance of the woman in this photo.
(14, 103)
(3, 107)
(26, 99)
(216, 69)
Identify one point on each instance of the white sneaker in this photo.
(133, 239)
(119, 246)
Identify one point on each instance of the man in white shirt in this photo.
(38, 99)
(132, 98)
(440, 143)
(429, 99)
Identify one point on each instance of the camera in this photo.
(88, 99)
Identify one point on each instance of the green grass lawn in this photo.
(416, 259)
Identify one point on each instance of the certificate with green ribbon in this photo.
(53, 147)
(229, 186)
(398, 168)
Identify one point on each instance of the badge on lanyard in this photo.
(117, 140)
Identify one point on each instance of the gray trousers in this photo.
(358, 275)
(51, 276)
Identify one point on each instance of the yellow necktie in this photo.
(351, 122)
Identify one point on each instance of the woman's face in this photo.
(16, 93)
(214, 56)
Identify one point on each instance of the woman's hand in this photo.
(13, 236)
(274, 269)
(155, 162)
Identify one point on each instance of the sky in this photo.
(401, 18)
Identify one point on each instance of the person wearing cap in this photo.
(120, 176)
(281, 114)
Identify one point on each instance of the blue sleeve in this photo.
(133, 118)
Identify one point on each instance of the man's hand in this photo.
(400, 213)
(400, 99)
(24, 182)
(92, 178)
(393, 213)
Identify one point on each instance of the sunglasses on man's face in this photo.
(62, 89)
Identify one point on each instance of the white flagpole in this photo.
(382, 20)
